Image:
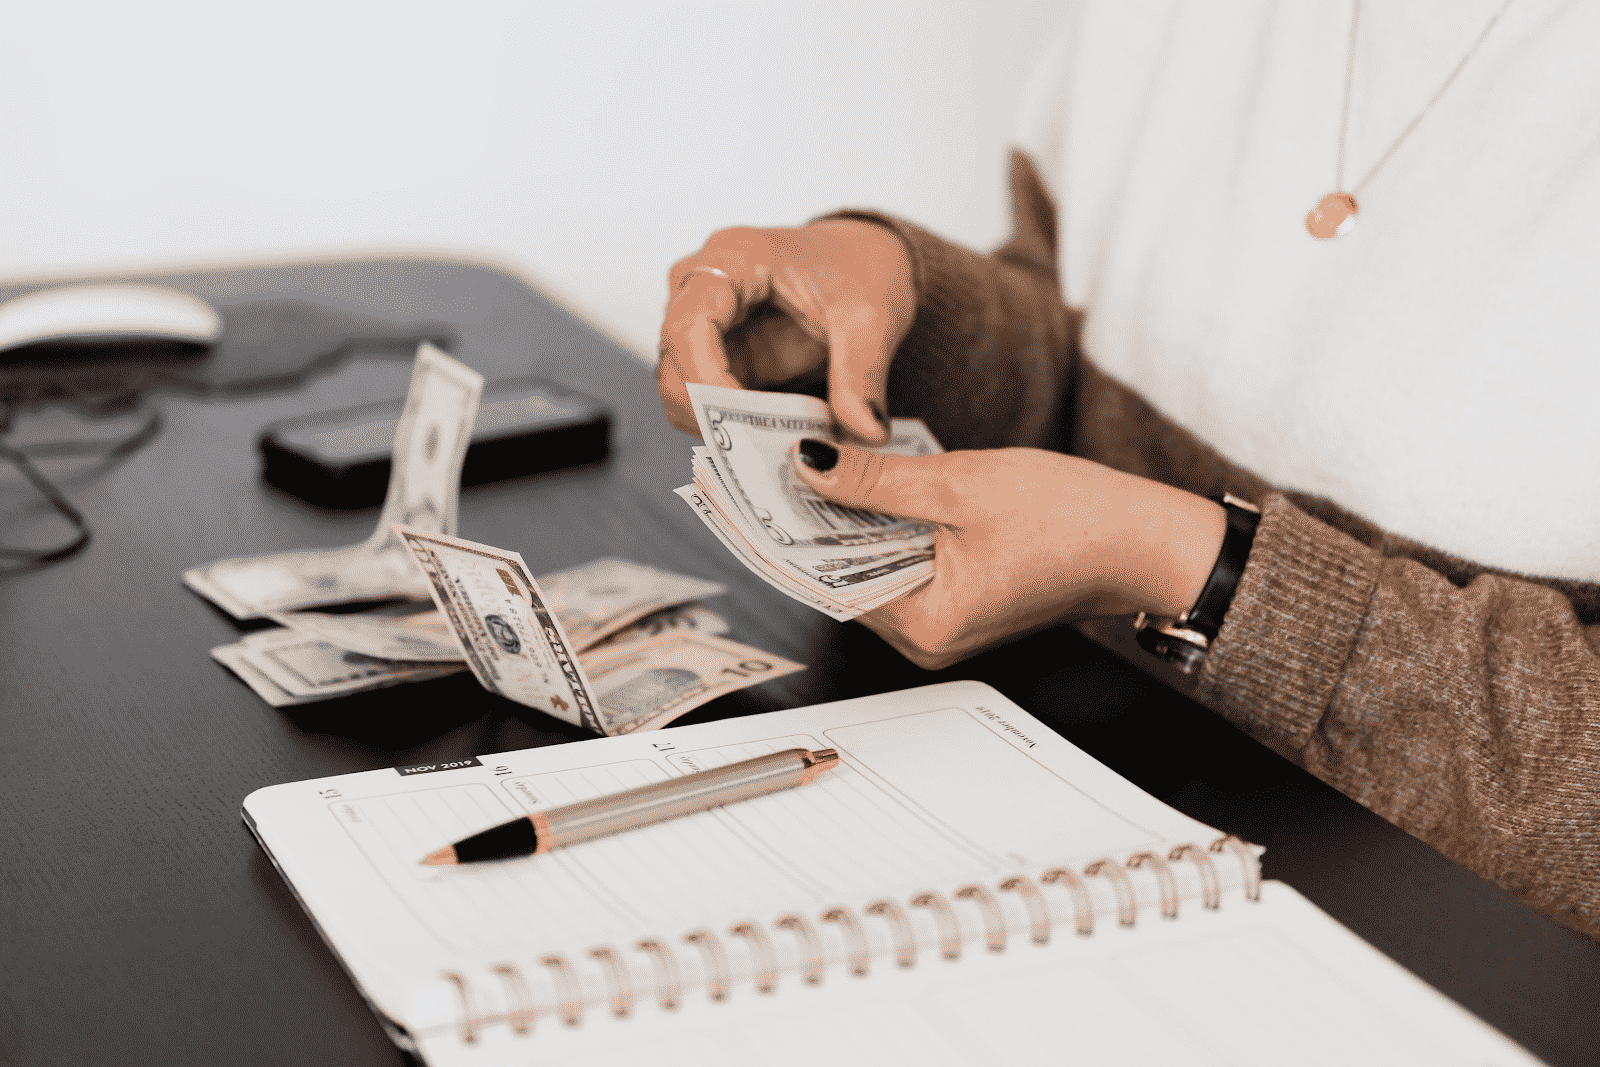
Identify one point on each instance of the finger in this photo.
(703, 309)
(860, 350)
(914, 487)
(739, 258)
(692, 348)
(691, 351)
(674, 391)
(709, 293)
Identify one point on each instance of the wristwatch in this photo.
(1184, 641)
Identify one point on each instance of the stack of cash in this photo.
(286, 667)
(513, 639)
(840, 560)
(647, 651)
(633, 631)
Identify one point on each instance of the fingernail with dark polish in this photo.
(877, 413)
(818, 455)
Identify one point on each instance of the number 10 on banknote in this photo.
(507, 632)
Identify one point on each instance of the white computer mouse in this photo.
(114, 312)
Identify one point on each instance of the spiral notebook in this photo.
(965, 888)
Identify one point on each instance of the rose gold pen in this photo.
(632, 808)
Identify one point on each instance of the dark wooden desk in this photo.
(142, 925)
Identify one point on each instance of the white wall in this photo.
(584, 145)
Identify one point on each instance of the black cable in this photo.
(38, 557)
(103, 392)
(21, 457)
(111, 449)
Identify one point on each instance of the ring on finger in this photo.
(700, 270)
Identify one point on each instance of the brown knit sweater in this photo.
(1459, 702)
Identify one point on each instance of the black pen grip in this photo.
(501, 842)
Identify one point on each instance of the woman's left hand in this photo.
(1022, 538)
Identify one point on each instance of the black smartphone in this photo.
(340, 459)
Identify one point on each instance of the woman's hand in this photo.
(754, 307)
(1023, 538)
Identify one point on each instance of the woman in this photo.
(1186, 309)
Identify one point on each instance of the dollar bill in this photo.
(592, 602)
(430, 442)
(695, 618)
(855, 580)
(749, 435)
(421, 637)
(600, 598)
(842, 561)
(645, 684)
(305, 669)
(236, 659)
(511, 638)
(744, 553)
(322, 670)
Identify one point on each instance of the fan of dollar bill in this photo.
(646, 651)
(613, 645)
(840, 560)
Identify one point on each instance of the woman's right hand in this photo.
(754, 307)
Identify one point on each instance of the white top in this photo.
(1436, 370)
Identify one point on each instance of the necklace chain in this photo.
(1349, 79)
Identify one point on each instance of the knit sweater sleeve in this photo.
(1468, 714)
(991, 351)
(1461, 703)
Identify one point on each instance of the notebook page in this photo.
(836, 839)
(1251, 984)
(939, 784)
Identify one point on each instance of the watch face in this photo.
(1184, 649)
(1186, 657)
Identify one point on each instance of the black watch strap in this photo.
(1184, 641)
(1206, 615)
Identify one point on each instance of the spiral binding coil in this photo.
(518, 996)
(617, 975)
(521, 1010)
(721, 980)
(994, 921)
(1121, 885)
(569, 996)
(901, 935)
(858, 953)
(1082, 903)
(1210, 882)
(468, 1028)
(669, 988)
(1033, 900)
(766, 960)
(812, 959)
(1252, 867)
(944, 916)
(1164, 879)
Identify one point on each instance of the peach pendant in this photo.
(1334, 216)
